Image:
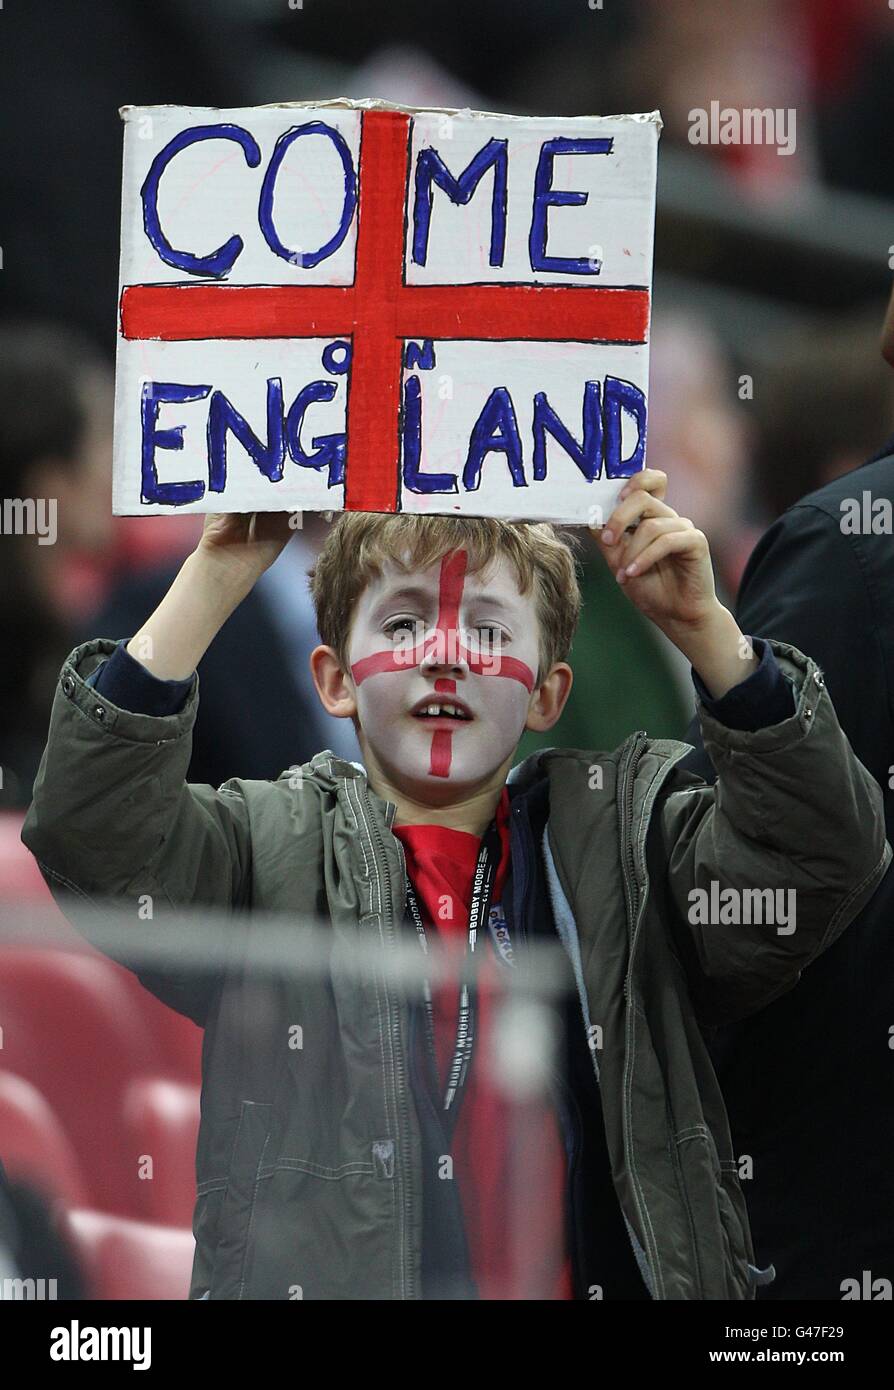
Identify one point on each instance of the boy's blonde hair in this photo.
(542, 557)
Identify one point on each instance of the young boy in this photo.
(321, 1169)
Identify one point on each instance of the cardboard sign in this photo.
(352, 306)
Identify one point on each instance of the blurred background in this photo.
(772, 274)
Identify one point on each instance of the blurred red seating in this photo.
(69, 1027)
(163, 1119)
(34, 1148)
(20, 878)
(131, 1259)
(178, 1038)
(109, 1069)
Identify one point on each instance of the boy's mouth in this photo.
(448, 710)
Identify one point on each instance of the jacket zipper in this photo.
(408, 1281)
(631, 888)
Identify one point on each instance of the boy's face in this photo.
(440, 637)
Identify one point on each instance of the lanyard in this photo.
(482, 888)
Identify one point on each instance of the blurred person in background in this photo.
(702, 437)
(850, 56)
(823, 402)
(687, 55)
(808, 1080)
(55, 473)
(828, 62)
(624, 675)
(627, 674)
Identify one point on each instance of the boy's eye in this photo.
(410, 625)
(486, 636)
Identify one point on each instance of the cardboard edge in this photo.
(127, 112)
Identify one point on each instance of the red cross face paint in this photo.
(444, 664)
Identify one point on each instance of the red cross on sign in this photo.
(390, 303)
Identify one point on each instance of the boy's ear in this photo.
(334, 686)
(549, 698)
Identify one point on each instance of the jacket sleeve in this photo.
(794, 826)
(112, 817)
(762, 698)
(127, 683)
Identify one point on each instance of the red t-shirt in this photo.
(508, 1159)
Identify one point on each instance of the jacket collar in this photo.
(329, 771)
(524, 775)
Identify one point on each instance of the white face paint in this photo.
(436, 637)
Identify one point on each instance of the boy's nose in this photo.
(445, 647)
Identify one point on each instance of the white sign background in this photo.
(208, 193)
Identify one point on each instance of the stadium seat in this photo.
(20, 878)
(130, 1259)
(80, 1035)
(21, 882)
(34, 1148)
(179, 1040)
(161, 1118)
(70, 1028)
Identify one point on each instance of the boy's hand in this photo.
(660, 556)
(234, 550)
(665, 565)
(246, 542)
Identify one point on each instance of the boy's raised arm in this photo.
(112, 815)
(769, 866)
(234, 551)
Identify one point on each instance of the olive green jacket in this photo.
(309, 1159)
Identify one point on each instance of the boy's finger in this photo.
(651, 480)
(635, 506)
(690, 542)
(634, 543)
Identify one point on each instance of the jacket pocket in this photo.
(234, 1245)
(205, 1225)
(737, 1244)
(718, 1215)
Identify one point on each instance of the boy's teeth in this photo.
(435, 709)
